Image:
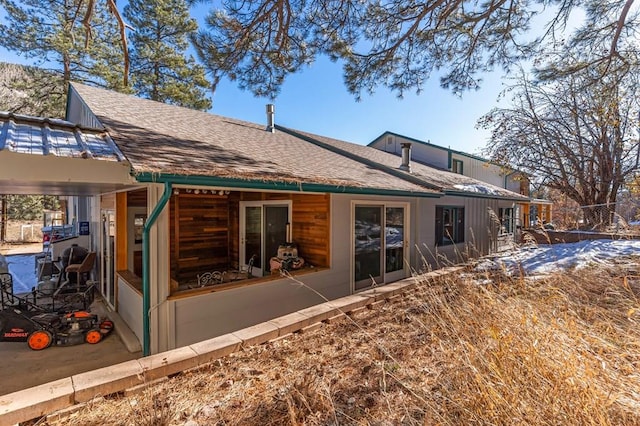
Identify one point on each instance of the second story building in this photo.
(525, 214)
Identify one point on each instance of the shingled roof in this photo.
(444, 180)
(163, 139)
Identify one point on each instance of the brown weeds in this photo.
(563, 350)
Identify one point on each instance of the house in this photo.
(527, 214)
(187, 236)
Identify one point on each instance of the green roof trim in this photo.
(273, 185)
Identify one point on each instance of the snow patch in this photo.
(477, 188)
(542, 260)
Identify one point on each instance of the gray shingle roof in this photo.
(160, 138)
(444, 180)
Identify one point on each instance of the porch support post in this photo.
(146, 287)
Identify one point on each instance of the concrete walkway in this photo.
(23, 368)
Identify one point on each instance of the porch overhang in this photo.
(52, 175)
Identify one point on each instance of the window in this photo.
(456, 166)
(506, 220)
(449, 225)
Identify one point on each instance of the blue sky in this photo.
(316, 100)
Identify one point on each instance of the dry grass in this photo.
(24, 231)
(563, 350)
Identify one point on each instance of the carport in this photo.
(56, 157)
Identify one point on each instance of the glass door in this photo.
(251, 239)
(107, 258)
(380, 246)
(394, 243)
(368, 246)
(263, 227)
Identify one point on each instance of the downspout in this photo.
(146, 296)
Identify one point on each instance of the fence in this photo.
(22, 231)
(611, 217)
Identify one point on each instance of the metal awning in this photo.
(56, 157)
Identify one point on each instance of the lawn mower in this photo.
(41, 330)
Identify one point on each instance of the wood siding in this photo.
(199, 229)
(205, 230)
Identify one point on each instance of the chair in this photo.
(82, 269)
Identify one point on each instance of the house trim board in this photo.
(147, 177)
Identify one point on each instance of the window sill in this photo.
(131, 279)
(213, 288)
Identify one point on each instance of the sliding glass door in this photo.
(379, 249)
(263, 227)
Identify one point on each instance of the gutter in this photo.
(146, 287)
(148, 177)
(481, 195)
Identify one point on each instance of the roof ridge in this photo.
(382, 167)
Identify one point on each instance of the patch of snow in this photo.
(547, 259)
(477, 188)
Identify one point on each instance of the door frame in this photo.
(107, 258)
(386, 277)
(241, 244)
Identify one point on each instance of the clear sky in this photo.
(316, 100)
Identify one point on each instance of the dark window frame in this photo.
(457, 166)
(449, 225)
(506, 217)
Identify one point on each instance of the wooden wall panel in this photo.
(205, 230)
(311, 228)
(234, 229)
(121, 232)
(199, 235)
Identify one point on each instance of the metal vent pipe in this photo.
(271, 118)
(406, 157)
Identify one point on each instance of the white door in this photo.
(107, 258)
(380, 244)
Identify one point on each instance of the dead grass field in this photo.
(19, 232)
(472, 349)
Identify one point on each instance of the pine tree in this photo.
(160, 68)
(51, 33)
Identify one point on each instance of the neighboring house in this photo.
(204, 193)
(527, 214)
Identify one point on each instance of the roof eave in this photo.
(197, 180)
(480, 195)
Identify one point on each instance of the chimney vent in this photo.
(271, 118)
(406, 157)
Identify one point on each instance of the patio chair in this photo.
(82, 270)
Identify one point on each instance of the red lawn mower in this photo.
(45, 329)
